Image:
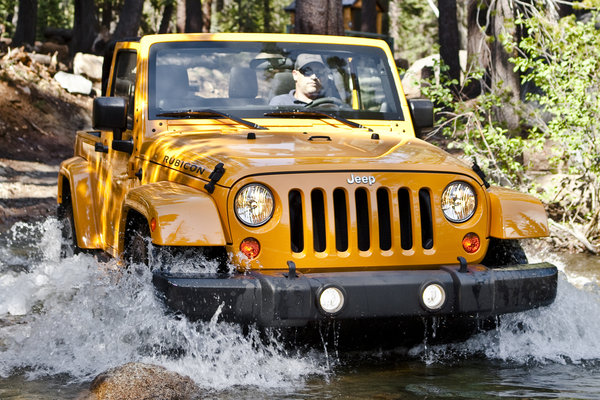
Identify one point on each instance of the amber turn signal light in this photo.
(250, 248)
(152, 224)
(471, 243)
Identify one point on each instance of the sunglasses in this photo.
(309, 71)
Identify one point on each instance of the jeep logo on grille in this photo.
(366, 179)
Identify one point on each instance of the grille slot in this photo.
(426, 220)
(296, 221)
(362, 219)
(383, 213)
(340, 211)
(355, 216)
(406, 241)
(318, 219)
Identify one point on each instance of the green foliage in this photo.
(473, 129)
(563, 61)
(417, 34)
(7, 12)
(248, 16)
(559, 63)
(53, 14)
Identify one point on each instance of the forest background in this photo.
(515, 82)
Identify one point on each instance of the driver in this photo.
(311, 77)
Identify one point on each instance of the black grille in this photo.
(318, 218)
(404, 204)
(426, 222)
(296, 221)
(385, 221)
(340, 211)
(362, 219)
(369, 214)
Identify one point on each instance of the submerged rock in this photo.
(137, 381)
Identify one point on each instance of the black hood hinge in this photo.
(214, 177)
(480, 173)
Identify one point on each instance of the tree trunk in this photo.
(323, 17)
(180, 18)
(193, 16)
(165, 22)
(189, 16)
(106, 13)
(394, 18)
(502, 73)
(448, 37)
(368, 16)
(84, 27)
(478, 52)
(129, 19)
(26, 26)
(206, 15)
(266, 16)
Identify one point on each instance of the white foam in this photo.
(81, 317)
(567, 331)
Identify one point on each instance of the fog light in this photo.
(433, 296)
(331, 300)
(471, 243)
(250, 248)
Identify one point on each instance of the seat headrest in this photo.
(172, 80)
(242, 83)
(283, 83)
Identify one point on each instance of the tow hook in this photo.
(291, 270)
(463, 265)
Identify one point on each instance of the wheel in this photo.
(68, 245)
(326, 102)
(503, 252)
(137, 242)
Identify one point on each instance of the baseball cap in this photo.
(305, 58)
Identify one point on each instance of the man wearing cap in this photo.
(311, 77)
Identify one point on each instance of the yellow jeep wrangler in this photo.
(292, 161)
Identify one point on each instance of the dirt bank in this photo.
(38, 121)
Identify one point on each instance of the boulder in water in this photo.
(137, 381)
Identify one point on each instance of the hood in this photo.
(276, 152)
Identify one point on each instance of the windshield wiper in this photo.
(208, 113)
(312, 113)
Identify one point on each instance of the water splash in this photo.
(80, 317)
(566, 332)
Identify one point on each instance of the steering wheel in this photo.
(326, 102)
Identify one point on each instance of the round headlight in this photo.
(433, 296)
(331, 300)
(458, 202)
(254, 204)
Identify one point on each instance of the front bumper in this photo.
(275, 300)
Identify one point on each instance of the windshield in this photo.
(251, 79)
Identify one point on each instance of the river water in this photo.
(62, 322)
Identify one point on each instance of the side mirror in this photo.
(421, 111)
(110, 113)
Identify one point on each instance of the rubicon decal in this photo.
(365, 179)
(184, 165)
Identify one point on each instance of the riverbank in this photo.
(38, 122)
(27, 191)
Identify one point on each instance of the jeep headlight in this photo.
(458, 202)
(254, 204)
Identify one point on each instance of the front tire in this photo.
(503, 252)
(68, 245)
(137, 242)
